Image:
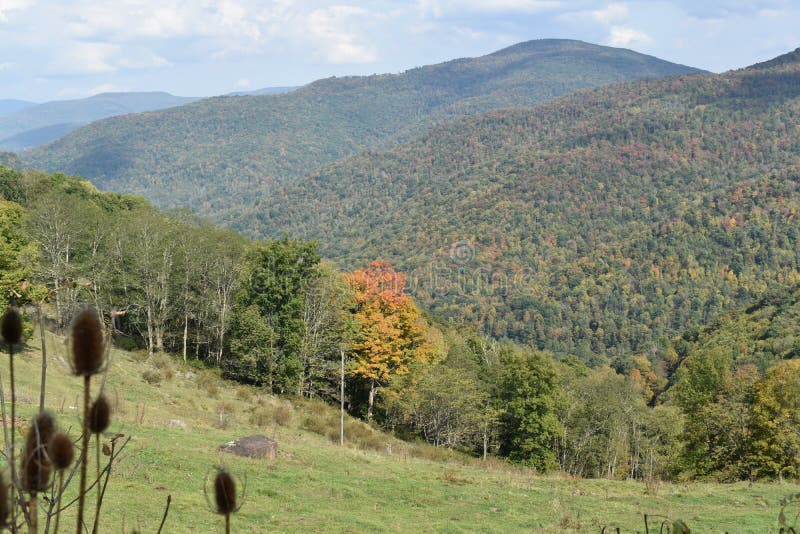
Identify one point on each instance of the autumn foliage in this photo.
(391, 332)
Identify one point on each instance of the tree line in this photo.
(274, 314)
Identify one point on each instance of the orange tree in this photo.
(391, 333)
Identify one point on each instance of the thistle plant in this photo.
(226, 500)
(88, 348)
(99, 419)
(36, 464)
(62, 453)
(11, 330)
(47, 462)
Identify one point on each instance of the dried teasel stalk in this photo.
(226, 500)
(62, 454)
(99, 419)
(88, 349)
(36, 465)
(11, 330)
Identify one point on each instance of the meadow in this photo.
(177, 415)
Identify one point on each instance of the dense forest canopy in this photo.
(220, 154)
(273, 314)
(593, 225)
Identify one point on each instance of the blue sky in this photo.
(70, 49)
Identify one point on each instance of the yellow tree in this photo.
(775, 447)
(391, 332)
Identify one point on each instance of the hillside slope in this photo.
(38, 124)
(765, 333)
(590, 225)
(177, 416)
(219, 154)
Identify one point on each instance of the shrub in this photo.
(152, 376)
(261, 416)
(244, 393)
(282, 414)
(208, 383)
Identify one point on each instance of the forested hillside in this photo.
(221, 154)
(738, 385)
(272, 314)
(36, 124)
(593, 225)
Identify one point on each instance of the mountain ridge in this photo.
(217, 153)
(525, 221)
(34, 125)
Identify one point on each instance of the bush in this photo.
(225, 414)
(282, 414)
(152, 376)
(261, 416)
(208, 383)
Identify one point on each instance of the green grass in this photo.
(316, 486)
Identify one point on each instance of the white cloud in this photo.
(243, 83)
(83, 58)
(615, 18)
(135, 58)
(623, 37)
(610, 14)
(440, 8)
(11, 5)
(332, 30)
(6, 66)
(106, 88)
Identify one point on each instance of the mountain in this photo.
(36, 136)
(11, 105)
(220, 154)
(41, 123)
(595, 224)
(265, 91)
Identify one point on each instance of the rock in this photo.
(175, 422)
(257, 446)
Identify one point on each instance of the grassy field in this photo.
(177, 416)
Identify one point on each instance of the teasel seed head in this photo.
(87, 343)
(225, 492)
(99, 415)
(61, 450)
(36, 470)
(43, 427)
(5, 500)
(36, 465)
(11, 326)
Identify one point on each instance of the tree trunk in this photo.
(371, 399)
(185, 334)
(44, 358)
(149, 331)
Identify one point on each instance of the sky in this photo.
(55, 50)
